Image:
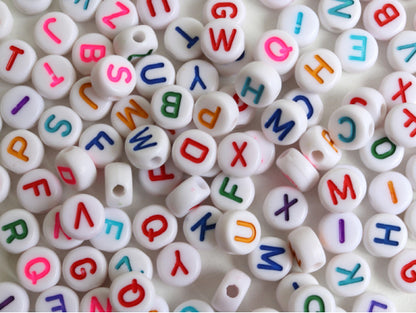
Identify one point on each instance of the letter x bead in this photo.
(398, 87)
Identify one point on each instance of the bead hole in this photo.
(232, 291)
(317, 155)
(156, 160)
(119, 190)
(139, 36)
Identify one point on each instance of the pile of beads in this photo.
(179, 155)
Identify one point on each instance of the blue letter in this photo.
(96, 141)
(271, 265)
(286, 127)
(142, 140)
(350, 275)
(203, 224)
(386, 240)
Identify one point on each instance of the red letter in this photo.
(16, 51)
(186, 155)
(222, 38)
(343, 194)
(388, 16)
(35, 187)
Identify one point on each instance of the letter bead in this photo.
(17, 61)
(238, 232)
(267, 150)
(154, 227)
(371, 301)
(82, 216)
(96, 300)
(75, 168)
(158, 14)
(398, 125)
(57, 298)
(231, 291)
(234, 10)
(21, 151)
(38, 269)
(4, 184)
(27, 7)
(19, 230)
(79, 12)
(178, 264)
(385, 235)
(193, 305)
(398, 87)
(116, 232)
(118, 185)
(232, 68)
(246, 112)
(159, 304)
(276, 5)
(348, 274)
(410, 219)
(6, 19)
(400, 51)
(337, 17)
(410, 171)
(130, 260)
(401, 270)
(84, 268)
(312, 298)
(14, 297)
(53, 76)
(311, 103)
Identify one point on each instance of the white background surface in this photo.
(215, 264)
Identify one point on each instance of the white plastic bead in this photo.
(21, 151)
(337, 17)
(193, 305)
(231, 291)
(198, 76)
(276, 5)
(53, 232)
(348, 275)
(154, 227)
(340, 232)
(398, 125)
(102, 143)
(129, 113)
(88, 49)
(55, 33)
(86, 102)
(385, 235)
(130, 260)
(411, 170)
(39, 190)
(238, 232)
(53, 76)
(271, 260)
(153, 72)
(112, 16)
(158, 14)
(398, 87)
(7, 20)
(187, 195)
(312, 104)
(59, 127)
(400, 270)
(79, 12)
(301, 22)
(199, 227)
(4, 184)
(266, 148)
(410, 218)
(399, 51)
(84, 268)
(232, 68)
(178, 264)
(135, 42)
(318, 71)
(75, 168)
(29, 8)
(258, 84)
(21, 107)
(96, 300)
(82, 216)
(57, 298)
(311, 298)
(19, 230)
(384, 19)
(132, 292)
(116, 232)
(15, 297)
(297, 169)
(370, 302)
(234, 10)
(182, 38)
(113, 77)
(159, 304)
(38, 269)
(118, 180)
(319, 148)
(18, 61)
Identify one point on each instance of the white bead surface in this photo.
(398, 87)
(118, 184)
(372, 301)
(337, 18)
(312, 104)
(158, 14)
(130, 260)
(79, 12)
(312, 298)
(398, 125)
(57, 298)
(16, 298)
(400, 271)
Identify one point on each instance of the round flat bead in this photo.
(21, 151)
(410, 220)
(234, 10)
(118, 180)
(276, 4)
(398, 87)
(385, 235)
(311, 298)
(159, 304)
(75, 168)
(21, 107)
(102, 143)
(182, 38)
(38, 269)
(82, 216)
(84, 268)
(20, 230)
(231, 291)
(116, 232)
(348, 274)
(135, 42)
(319, 148)
(301, 22)
(16, 298)
(29, 8)
(130, 260)
(238, 232)
(132, 292)
(7, 20)
(59, 127)
(340, 232)
(297, 169)
(410, 171)
(252, 86)
(400, 271)
(158, 15)
(384, 19)
(129, 113)
(232, 68)
(266, 148)
(55, 33)
(154, 227)
(336, 18)
(4, 184)
(198, 76)
(88, 49)
(311, 103)
(199, 227)
(86, 102)
(193, 305)
(18, 61)
(95, 300)
(370, 301)
(398, 125)
(57, 298)
(399, 51)
(53, 76)
(39, 190)
(112, 16)
(79, 12)
(271, 260)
